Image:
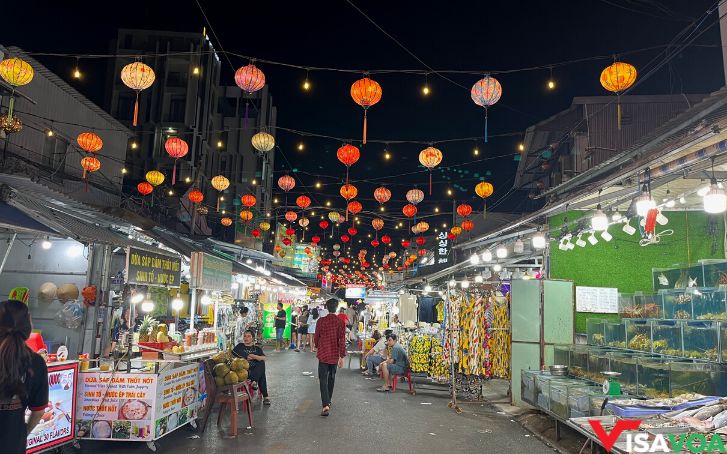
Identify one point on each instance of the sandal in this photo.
(326, 411)
(266, 401)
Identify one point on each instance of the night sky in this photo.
(475, 35)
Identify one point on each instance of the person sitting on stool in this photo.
(397, 364)
(256, 357)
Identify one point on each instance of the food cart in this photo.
(57, 427)
(141, 406)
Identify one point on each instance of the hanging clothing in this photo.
(426, 309)
(439, 308)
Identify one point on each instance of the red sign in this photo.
(58, 425)
(609, 439)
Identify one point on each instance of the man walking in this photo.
(330, 340)
(280, 319)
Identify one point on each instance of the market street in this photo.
(361, 421)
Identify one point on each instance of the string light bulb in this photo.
(551, 82)
(195, 71)
(521, 147)
(134, 145)
(425, 89)
(50, 133)
(387, 155)
(476, 151)
(306, 83)
(318, 184)
(301, 147)
(219, 144)
(76, 71)
(123, 171)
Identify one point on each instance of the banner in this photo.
(150, 268)
(210, 273)
(57, 426)
(269, 312)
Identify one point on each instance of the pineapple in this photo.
(154, 331)
(144, 329)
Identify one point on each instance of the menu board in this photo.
(176, 390)
(597, 299)
(210, 273)
(57, 426)
(144, 267)
(116, 406)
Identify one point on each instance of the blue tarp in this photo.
(12, 217)
(633, 411)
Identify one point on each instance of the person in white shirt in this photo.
(376, 355)
(242, 323)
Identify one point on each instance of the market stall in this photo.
(211, 283)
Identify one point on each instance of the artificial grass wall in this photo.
(624, 264)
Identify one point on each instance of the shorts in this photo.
(396, 369)
(303, 330)
(279, 334)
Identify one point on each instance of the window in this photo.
(177, 108)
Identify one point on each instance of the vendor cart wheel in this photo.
(152, 446)
(193, 423)
(76, 444)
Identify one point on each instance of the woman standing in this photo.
(23, 378)
(312, 328)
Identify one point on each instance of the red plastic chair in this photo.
(231, 396)
(407, 377)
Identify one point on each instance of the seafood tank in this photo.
(578, 366)
(579, 400)
(639, 305)
(527, 386)
(559, 391)
(701, 340)
(723, 342)
(543, 383)
(697, 377)
(599, 361)
(714, 273)
(626, 363)
(638, 334)
(596, 331)
(652, 377)
(616, 334)
(677, 304)
(667, 335)
(708, 304)
(562, 354)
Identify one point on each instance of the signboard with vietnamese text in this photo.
(151, 268)
(210, 273)
(381, 297)
(58, 424)
(177, 389)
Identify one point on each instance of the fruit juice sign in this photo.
(57, 425)
(101, 393)
(642, 442)
(177, 389)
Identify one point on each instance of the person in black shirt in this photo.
(256, 357)
(280, 319)
(23, 378)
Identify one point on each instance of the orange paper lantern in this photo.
(286, 183)
(90, 164)
(617, 78)
(409, 210)
(382, 195)
(246, 215)
(366, 92)
(348, 155)
(484, 189)
(430, 158)
(467, 225)
(377, 224)
(355, 207)
(464, 210)
(144, 188)
(249, 78)
(89, 142)
(176, 148)
(226, 222)
(138, 77)
(348, 191)
(291, 216)
(303, 202)
(195, 196)
(485, 93)
(248, 200)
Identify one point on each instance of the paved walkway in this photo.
(361, 421)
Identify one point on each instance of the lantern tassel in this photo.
(485, 124)
(174, 173)
(618, 113)
(430, 181)
(365, 126)
(136, 109)
(11, 104)
(218, 203)
(247, 106)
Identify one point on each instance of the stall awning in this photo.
(14, 219)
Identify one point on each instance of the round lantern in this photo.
(405, 243)
(375, 243)
(203, 210)
(451, 236)
(303, 222)
(348, 155)
(348, 191)
(264, 226)
(290, 232)
(277, 248)
(464, 210)
(286, 183)
(263, 142)
(355, 207)
(90, 164)
(377, 224)
(334, 216)
(255, 233)
(456, 230)
(249, 78)
(307, 250)
(485, 93)
(323, 224)
(291, 216)
(303, 201)
(226, 222)
(144, 188)
(382, 195)
(352, 231)
(315, 239)
(386, 239)
(10, 124)
(154, 177)
(345, 238)
(409, 210)
(430, 158)
(246, 215)
(89, 142)
(220, 183)
(17, 73)
(414, 196)
(138, 77)
(422, 227)
(617, 78)
(176, 148)
(467, 225)
(195, 196)
(336, 247)
(248, 200)
(484, 190)
(366, 92)
(422, 252)
(287, 241)
(421, 240)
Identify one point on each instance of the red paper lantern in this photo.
(352, 231)
(249, 78)
(467, 225)
(464, 210)
(176, 148)
(348, 191)
(422, 252)
(366, 92)
(286, 183)
(195, 196)
(386, 239)
(345, 238)
(375, 243)
(248, 200)
(323, 224)
(405, 243)
(409, 210)
(144, 188)
(382, 195)
(348, 155)
(421, 240)
(255, 233)
(355, 207)
(286, 241)
(451, 236)
(290, 232)
(303, 202)
(291, 216)
(316, 239)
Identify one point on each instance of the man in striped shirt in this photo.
(330, 340)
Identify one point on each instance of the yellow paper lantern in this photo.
(246, 215)
(264, 226)
(155, 177)
(137, 76)
(617, 78)
(17, 73)
(220, 183)
(263, 141)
